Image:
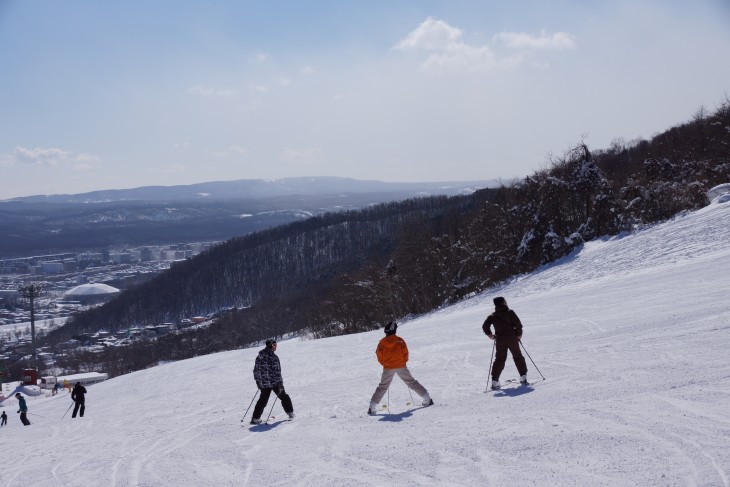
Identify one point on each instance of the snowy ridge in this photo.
(631, 333)
(667, 244)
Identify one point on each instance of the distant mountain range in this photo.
(189, 213)
(248, 189)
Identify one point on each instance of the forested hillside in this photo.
(349, 272)
(243, 271)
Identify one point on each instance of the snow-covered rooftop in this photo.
(97, 289)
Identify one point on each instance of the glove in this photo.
(519, 337)
(491, 337)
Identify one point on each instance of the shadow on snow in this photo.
(398, 417)
(513, 391)
(260, 428)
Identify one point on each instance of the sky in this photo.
(109, 95)
(630, 335)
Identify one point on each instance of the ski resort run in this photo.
(630, 333)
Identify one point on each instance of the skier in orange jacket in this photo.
(392, 354)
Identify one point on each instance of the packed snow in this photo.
(631, 334)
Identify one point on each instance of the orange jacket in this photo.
(392, 352)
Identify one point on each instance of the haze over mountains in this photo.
(197, 212)
(256, 189)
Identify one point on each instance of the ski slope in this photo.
(632, 335)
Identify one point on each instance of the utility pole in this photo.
(32, 291)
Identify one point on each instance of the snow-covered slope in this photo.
(632, 335)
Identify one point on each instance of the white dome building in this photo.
(92, 293)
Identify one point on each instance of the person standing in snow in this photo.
(3, 419)
(507, 333)
(267, 374)
(78, 396)
(392, 353)
(22, 409)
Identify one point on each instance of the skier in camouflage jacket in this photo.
(267, 374)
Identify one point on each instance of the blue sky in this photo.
(99, 95)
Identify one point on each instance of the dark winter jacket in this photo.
(78, 393)
(267, 371)
(22, 406)
(505, 321)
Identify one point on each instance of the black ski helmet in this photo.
(391, 328)
(270, 343)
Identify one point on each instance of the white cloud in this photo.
(302, 156)
(522, 40)
(469, 59)
(450, 53)
(86, 162)
(232, 150)
(88, 158)
(260, 88)
(306, 70)
(205, 91)
(239, 150)
(432, 35)
(284, 81)
(51, 156)
(260, 57)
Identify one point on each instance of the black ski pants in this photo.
(4, 421)
(512, 344)
(79, 408)
(24, 419)
(264, 398)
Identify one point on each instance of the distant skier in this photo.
(508, 333)
(22, 409)
(392, 354)
(267, 374)
(3, 419)
(78, 395)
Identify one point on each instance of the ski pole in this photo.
(34, 414)
(489, 374)
(69, 409)
(410, 394)
(272, 408)
(533, 362)
(249, 406)
(388, 406)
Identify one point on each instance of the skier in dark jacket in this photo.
(3, 419)
(267, 374)
(22, 409)
(507, 333)
(78, 395)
